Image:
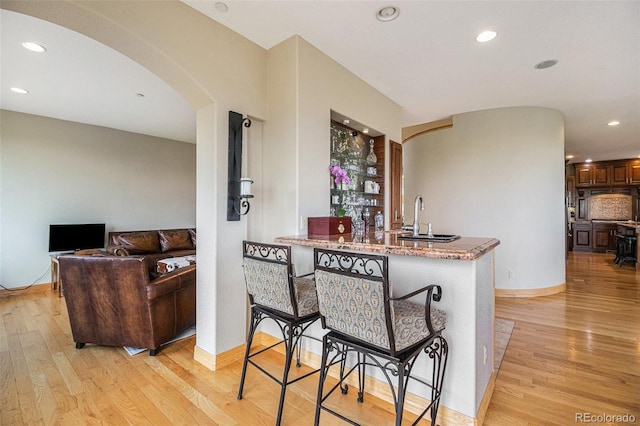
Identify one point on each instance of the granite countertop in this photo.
(629, 224)
(464, 248)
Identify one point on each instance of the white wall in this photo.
(54, 171)
(326, 85)
(304, 86)
(279, 161)
(497, 173)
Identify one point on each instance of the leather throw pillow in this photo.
(140, 242)
(175, 240)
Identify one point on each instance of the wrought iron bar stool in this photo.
(276, 294)
(389, 333)
(626, 249)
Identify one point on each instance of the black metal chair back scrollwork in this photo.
(276, 294)
(356, 305)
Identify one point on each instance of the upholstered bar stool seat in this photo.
(276, 294)
(409, 325)
(381, 331)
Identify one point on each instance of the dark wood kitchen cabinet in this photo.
(619, 174)
(593, 175)
(594, 228)
(582, 206)
(608, 173)
(584, 174)
(582, 236)
(601, 175)
(633, 172)
(604, 236)
(594, 237)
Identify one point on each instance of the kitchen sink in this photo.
(440, 238)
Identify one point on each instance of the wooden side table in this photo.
(56, 281)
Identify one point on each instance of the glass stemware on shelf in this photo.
(349, 152)
(355, 147)
(339, 139)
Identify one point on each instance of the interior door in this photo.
(395, 181)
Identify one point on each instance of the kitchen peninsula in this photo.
(464, 268)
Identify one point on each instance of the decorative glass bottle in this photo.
(379, 221)
(366, 216)
(371, 158)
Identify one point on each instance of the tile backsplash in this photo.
(610, 207)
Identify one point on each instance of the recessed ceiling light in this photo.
(19, 90)
(569, 157)
(221, 7)
(613, 123)
(346, 121)
(486, 36)
(546, 64)
(34, 47)
(365, 131)
(387, 13)
(588, 160)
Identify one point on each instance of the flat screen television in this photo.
(76, 237)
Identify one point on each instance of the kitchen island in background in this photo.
(464, 268)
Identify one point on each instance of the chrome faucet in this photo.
(416, 224)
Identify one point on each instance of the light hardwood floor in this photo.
(575, 352)
(570, 353)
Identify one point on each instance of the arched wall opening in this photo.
(198, 58)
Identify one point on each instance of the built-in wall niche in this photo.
(357, 158)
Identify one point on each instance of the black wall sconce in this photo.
(238, 189)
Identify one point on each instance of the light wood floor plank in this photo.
(9, 403)
(37, 361)
(574, 352)
(73, 382)
(23, 385)
(196, 398)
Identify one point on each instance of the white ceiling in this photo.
(427, 61)
(79, 79)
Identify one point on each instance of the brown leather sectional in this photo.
(112, 301)
(119, 299)
(153, 245)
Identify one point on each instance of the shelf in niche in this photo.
(354, 162)
(379, 206)
(352, 191)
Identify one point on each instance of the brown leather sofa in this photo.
(112, 302)
(154, 245)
